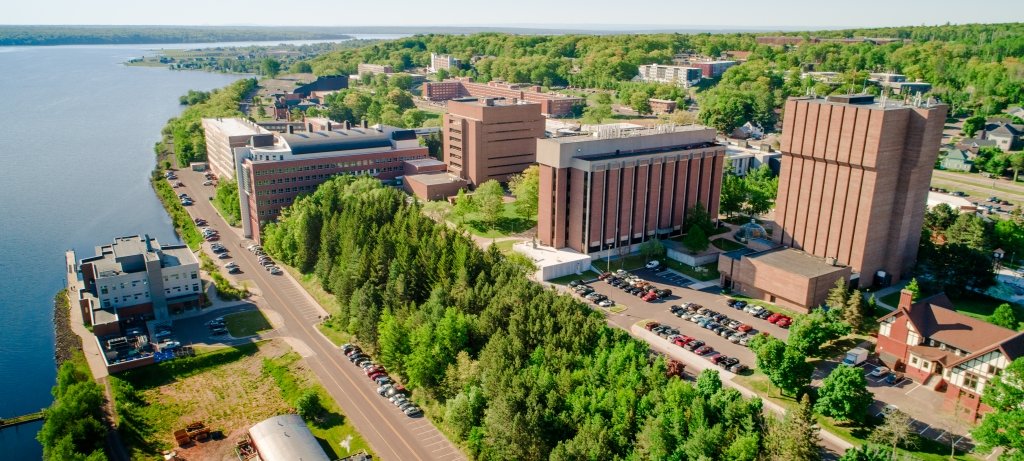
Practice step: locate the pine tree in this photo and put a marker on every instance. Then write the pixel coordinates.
(837, 296)
(796, 437)
(914, 288)
(854, 313)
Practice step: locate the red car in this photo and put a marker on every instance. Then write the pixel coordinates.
(784, 322)
(703, 350)
(376, 375)
(374, 369)
(743, 328)
(650, 325)
(650, 297)
(683, 340)
(604, 276)
(718, 358)
(774, 318)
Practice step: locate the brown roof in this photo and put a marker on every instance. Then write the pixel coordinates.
(934, 354)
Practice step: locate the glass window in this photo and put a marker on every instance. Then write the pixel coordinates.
(970, 381)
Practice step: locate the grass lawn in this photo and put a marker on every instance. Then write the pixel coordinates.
(924, 449)
(510, 222)
(247, 323)
(725, 244)
(333, 333)
(311, 284)
(564, 280)
(505, 246)
(710, 270)
(977, 305)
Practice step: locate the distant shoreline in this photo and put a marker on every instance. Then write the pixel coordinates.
(156, 35)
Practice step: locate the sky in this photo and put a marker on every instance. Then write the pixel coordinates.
(605, 14)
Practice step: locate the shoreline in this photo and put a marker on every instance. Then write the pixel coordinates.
(65, 339)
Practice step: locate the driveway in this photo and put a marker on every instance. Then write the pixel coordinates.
(391, 434)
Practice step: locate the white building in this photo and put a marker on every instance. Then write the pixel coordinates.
(225, 134)
(675, 75)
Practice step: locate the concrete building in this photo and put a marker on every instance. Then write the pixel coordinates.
(364, 68)
(784, 276)
(223, 135)
(854, 181)
(285, 438)
(607, 193)
(443, 61)
(487, 139)
(713, 69)
(946, 351)
(433, 186)
(551, 104)
(135, 280)
(675, 75)
(899, 83)
(271, 176)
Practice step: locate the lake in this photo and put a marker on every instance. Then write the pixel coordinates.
(78, 129)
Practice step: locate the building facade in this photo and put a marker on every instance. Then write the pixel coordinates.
(662, 106)
(675, 75)
(364, 68)
(443, 61)
(135, 280)
(605, 193)
(854, 180)
(488, 139)
(783, 276)
(271, 177)
(713, 69)
(551, 104)
(223, 135)
(946, 351)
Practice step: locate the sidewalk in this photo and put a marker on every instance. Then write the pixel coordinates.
(885, 292)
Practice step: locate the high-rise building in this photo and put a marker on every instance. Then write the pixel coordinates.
(443, 61)
(854, 180)
(223, 135)
(487, 139)
(607, 193)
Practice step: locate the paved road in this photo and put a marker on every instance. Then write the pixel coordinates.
(294, 314)
(979, 188)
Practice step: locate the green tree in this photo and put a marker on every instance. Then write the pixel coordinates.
(603, 98)
(856, 312)
(490, 198)
(301, 67)
(73, 428)
(526, 187)
(734, 192)
(762, 189)
(1004, 426)
(894, 431)
(698, 215)
(708, 383)
(270, 67)
(837, 295)
(1016, 163)
(640, 103)
(413, 118)
(392, 341)
(844, 395)
(1004, 316)
(914, 288)
(866, 453)
(973, 124)
(596, 114)
(652, 249)
(797, 437)
(958, 268)
(308, 406)
(432, 142)
(809, 332)
(696, 240)
(464, 205)
(968, 230)
(794, 373)
(939, 217)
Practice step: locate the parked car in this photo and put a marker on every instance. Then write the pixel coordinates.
(718, 358)
(728, 362)
(276, 271)
(703, 350)
(652, 265)
(693, 345)
(743, 328)
(737, 368)
(651, 325)
(774, 318)
(735, 339)
(879, 372)
(606, 303)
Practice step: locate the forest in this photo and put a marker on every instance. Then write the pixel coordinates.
(35, 35)
(975, 68)
(510, 369)
(184, 134)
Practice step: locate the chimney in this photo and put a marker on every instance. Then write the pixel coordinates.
(906, 299)
(291, 129)
(328, 125)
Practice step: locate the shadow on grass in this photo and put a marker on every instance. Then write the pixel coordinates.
(505, 225)
(168, 372)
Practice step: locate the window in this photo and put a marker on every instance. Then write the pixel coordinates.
(195, 287)
(913, 339)
(992, 370)
(913, 360)
(195, 275)
(886, 327)
(970, 381)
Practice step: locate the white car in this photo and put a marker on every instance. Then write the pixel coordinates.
(879, 372)
(606, 303)
(653, 265)
(207, 183)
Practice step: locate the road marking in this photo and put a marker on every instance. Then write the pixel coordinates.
(912, 389)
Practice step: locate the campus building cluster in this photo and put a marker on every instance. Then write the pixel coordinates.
(551, 104)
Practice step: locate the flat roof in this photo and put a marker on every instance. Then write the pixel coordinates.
(336, 140)
(425, 162)
(544, 256)
(796, 261)
(866, 101)
(433, 178)
(235, 126)
(637, 130)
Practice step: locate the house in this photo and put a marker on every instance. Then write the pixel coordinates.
(958, 160)
(1016, 111)
(946, 351)
(1008, 136)
(974, 144)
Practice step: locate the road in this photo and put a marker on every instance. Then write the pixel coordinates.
(978, 187)
(294, 314)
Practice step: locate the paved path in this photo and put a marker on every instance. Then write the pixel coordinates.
(391, 434)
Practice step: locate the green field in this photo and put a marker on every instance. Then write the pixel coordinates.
(510, 222)
(249, 323)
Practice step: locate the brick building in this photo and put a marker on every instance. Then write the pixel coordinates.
(487, 139)
(223, 135)
(551, 104)
(946, 351)
(271, 176)
(854, 180)
(713, 69)
(364, 68)
(784, 276)
(606, 193)
(662, 106)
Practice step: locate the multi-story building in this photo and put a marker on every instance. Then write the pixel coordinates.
(676, 75)
(551, 104)
(364, 68)
(608, 192)
(443, 61)
(223, 135)
(271, 176)
(488, 139)
(946, 351)
(713, 69)
(854, 181)
(134, 280)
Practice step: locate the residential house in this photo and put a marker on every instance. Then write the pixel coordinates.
(958, 160)
(946, 351)
(974, 144)
(1008, 136)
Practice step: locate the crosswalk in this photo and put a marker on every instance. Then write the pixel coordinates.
(298, 302)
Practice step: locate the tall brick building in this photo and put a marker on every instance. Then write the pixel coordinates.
(606, 193)
(487, 139)
(551, 104)
(854, 180)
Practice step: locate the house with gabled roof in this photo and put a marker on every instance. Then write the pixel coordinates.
(946, 351)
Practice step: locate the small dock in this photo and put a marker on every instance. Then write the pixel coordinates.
(18, 420)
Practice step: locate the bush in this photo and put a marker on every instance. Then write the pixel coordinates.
(183, 223)
(309, 405)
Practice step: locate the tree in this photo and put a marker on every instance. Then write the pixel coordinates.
(640, 103)
(1004, 317)
(1016, 163)
(958, 268)
(973, 124)
(526, 188)
(308, 406)
(811, 331)
(438, 210)
(464, 205)
(762, 188)
(270, 67)
(794, 373)
(855, 311)
(652, 249)
(914, 288)
(734, 192)
(413, 118)
(939, 217)
(594, 115)
(837, 295)
(797, 437)
(302, 67)
(866, 453)
(894, 431)
(968, 230)
(698, 215)
(844, 395)
(489, 197)
(1004, 426)
(708, 383)
(696, 240)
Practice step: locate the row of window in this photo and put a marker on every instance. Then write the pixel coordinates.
(285, 190)
(328, 166)
(276, 201)
(145, 295)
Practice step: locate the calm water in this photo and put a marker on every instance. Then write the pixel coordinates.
(76, 146)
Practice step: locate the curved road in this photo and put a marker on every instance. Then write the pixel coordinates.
(391, 434)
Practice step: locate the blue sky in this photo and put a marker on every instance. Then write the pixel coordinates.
(794, 14)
